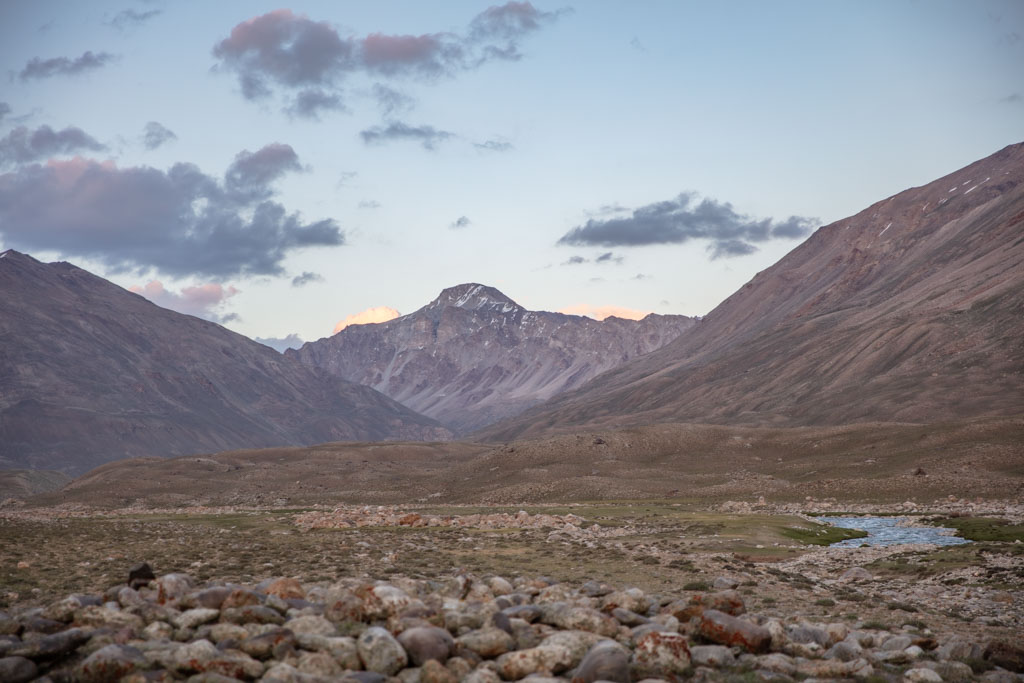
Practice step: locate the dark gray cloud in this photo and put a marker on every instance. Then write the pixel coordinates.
(22, 146)
(293, 56)
(63, 66)
(251, 173)
(155, 134)
(493, 145)
(682, 219)
(281, 344)
(306, 278)
(392, 101)
(608, 257)
(179, 222)
(428, 136)
(129, 18)
(5, 109)
(460, 222)
(574, 261)
(309, 103)
(1012, 98)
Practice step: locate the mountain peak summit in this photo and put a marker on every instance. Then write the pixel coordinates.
(474, 297)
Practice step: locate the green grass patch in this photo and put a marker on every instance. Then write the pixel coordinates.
(823, 535)
(983, 529)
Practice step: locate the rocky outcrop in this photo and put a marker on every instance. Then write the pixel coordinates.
(909, 311)
(474, 356)
(90, 373)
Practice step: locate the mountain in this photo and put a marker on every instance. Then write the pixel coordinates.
(90, 373)
(910, 311)
(473, 356)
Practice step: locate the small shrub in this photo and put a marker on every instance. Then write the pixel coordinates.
(697, 586)
(825, 602)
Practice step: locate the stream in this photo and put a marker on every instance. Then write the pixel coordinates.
(883, 531)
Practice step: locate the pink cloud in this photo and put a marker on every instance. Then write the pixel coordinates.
(377, 314)
(200, 300)
(602, 312)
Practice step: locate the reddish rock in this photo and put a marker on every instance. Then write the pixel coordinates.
(286, 589)
(729, 602)
(724, 629)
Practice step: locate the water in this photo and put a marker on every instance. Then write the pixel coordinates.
(884, 531)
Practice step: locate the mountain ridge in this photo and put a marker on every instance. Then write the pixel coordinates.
(90, 372)
(473, 355)
(905, 311)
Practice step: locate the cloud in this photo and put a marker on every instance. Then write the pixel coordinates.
(602, 312)
(368, 204)
(377, 314)
(306, 278)
(637, 45)
(203, 301)
(251, 173)
(129, 18)
(5, 109)
(22, 146)
(428, 136)
(682, 219)
(155, 135)
(608, 257)
(294, 57)
(574, 261)
(493, 145)
(392, 101)
(62, 66)
(281, 344)
(179, 222)
(1012, 98)
(309, 103)
(460, 222)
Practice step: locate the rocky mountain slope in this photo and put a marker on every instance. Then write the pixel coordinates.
(90, 373)
(473, 356)
(910, 311)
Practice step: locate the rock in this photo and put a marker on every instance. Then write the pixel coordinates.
(129, 597)
(270, 644)
(1008, 655)
(578, 643)
(17, 669)
(311, 624)
(566, 616)
(196, 617)
(715, 656)
(286, 589)
(487, 642)
(729, 602)
(657, 654)
(724, 629)
(51, 646)
(171, 587)
(342, 648)
(500, 586)
(724, 583)
(632, 599)
(778, 663)
(423, 643)
(482, 675)
(140, 575)
(62, 610)
(922, 676)
(380, 652)
(628, 618)
(459, 666)
(241, 597)
(894, 643)
(110, 663)
(550, 659)
(252, 614)
(212, 598)
(528, 613)
(318, 664)
(854, 574)
(201, 656)
(596, 589)
(605, 661)
(434, 671)
(952, 672)
(845, 651)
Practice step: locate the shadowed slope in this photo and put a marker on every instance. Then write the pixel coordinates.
(912, 311)
(90, 373)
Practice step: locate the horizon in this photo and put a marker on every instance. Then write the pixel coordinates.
(582, 158)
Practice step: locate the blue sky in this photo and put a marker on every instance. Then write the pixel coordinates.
(309, 161)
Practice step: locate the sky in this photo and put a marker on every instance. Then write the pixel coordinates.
(287, 169)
